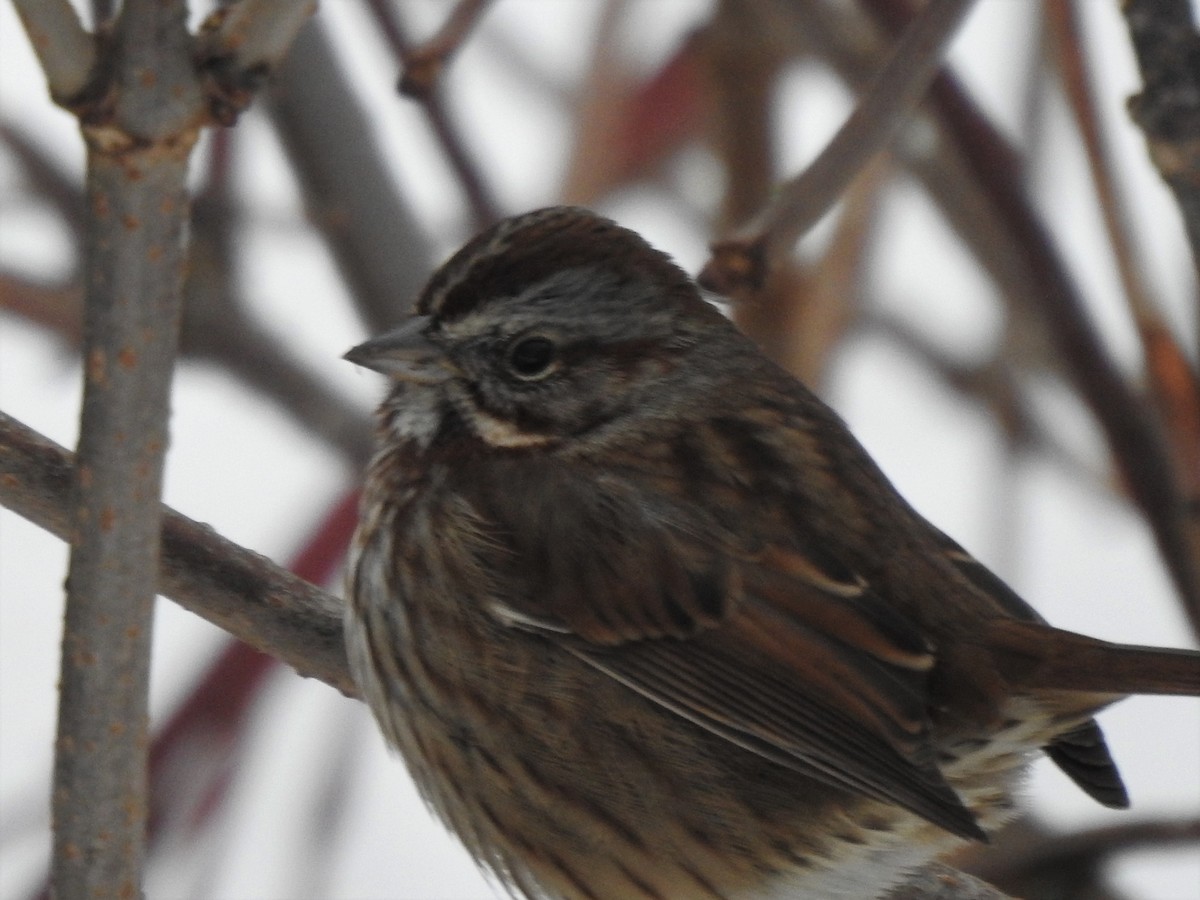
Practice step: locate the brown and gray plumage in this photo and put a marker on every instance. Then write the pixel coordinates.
(644, 619)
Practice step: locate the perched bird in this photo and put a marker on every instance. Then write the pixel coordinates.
(645, 620)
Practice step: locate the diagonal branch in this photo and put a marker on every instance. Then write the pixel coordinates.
(234, 588)
(746, 259)
(351, 196)
(240, 44)
(423, 64)
(484, 206)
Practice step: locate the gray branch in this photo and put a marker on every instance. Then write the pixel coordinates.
(140, 133)
(65, 50)
(234, 588)
(142, 99)
(255, 35)
(351, 196)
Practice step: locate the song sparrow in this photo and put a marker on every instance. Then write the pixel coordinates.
(645, 620)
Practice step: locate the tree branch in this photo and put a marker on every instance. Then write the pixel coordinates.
(240, 43)
(234, 588)
(350, 194)
(746, 259)
(1167, 46)
(65, 50)
(423, 64)
(484, 207)
(140, 133)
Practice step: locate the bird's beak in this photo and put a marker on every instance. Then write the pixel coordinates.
(405, 354)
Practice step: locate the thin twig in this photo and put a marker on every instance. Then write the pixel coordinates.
(743, 58)
(255, 34)
(484, 207)
(1063, 19)
(240, 44)
(423, 64)
(800, 202)
(65, 50)
(234, 588)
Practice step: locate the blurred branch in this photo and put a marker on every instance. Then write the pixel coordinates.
(839, 276)
(348, 189)
(254, 35)
(1134, 437)
(1033, 862)
(65, 50)
(236, 589)
(240, 43)
(743, 58)
(799, 203)
(1175, 384)
(1062, 17)
(1167, 46)
(47, 178)
(218, 326)
(216, 323)
(994, 385)
(57, 308)
(803, 311)
(423, 64)
(251, 353)
(484, 207)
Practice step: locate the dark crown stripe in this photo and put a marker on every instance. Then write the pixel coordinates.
(514, 254)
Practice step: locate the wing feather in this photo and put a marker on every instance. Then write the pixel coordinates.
(769, 649)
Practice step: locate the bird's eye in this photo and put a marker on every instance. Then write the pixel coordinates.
(531, 357)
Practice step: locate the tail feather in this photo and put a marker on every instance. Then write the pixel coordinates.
(1083, 755)
(1034, 656)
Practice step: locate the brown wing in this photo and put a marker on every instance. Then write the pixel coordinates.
(757, 645)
